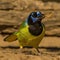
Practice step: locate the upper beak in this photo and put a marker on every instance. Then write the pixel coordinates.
(44, 16)
(41, 17)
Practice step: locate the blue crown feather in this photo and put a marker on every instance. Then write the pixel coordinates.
(34, 19)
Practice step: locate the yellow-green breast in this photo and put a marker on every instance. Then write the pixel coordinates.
(26, 38)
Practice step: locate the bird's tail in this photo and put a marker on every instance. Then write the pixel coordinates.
(11, 38)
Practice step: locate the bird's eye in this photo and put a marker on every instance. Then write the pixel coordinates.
(34, 14)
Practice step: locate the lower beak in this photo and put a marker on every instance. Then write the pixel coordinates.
(43, 16)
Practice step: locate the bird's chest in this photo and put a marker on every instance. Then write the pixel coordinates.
(25, 34)
(25, 37)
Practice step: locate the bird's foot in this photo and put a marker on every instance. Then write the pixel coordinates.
(36, 52)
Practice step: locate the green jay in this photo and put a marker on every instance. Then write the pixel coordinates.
(30, 32)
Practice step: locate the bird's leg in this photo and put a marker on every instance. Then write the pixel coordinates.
(37, 50)
(21, 46)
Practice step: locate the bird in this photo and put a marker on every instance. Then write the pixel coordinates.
(31, 31)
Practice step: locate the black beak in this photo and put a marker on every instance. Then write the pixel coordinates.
(41, 17)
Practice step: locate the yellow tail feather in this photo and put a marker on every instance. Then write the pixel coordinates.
(11, 38)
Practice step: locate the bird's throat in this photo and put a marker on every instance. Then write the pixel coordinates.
(35, 29)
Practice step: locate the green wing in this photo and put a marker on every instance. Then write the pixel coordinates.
(24, 24)
(13, 36)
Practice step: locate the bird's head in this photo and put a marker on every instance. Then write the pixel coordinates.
(36, 16)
